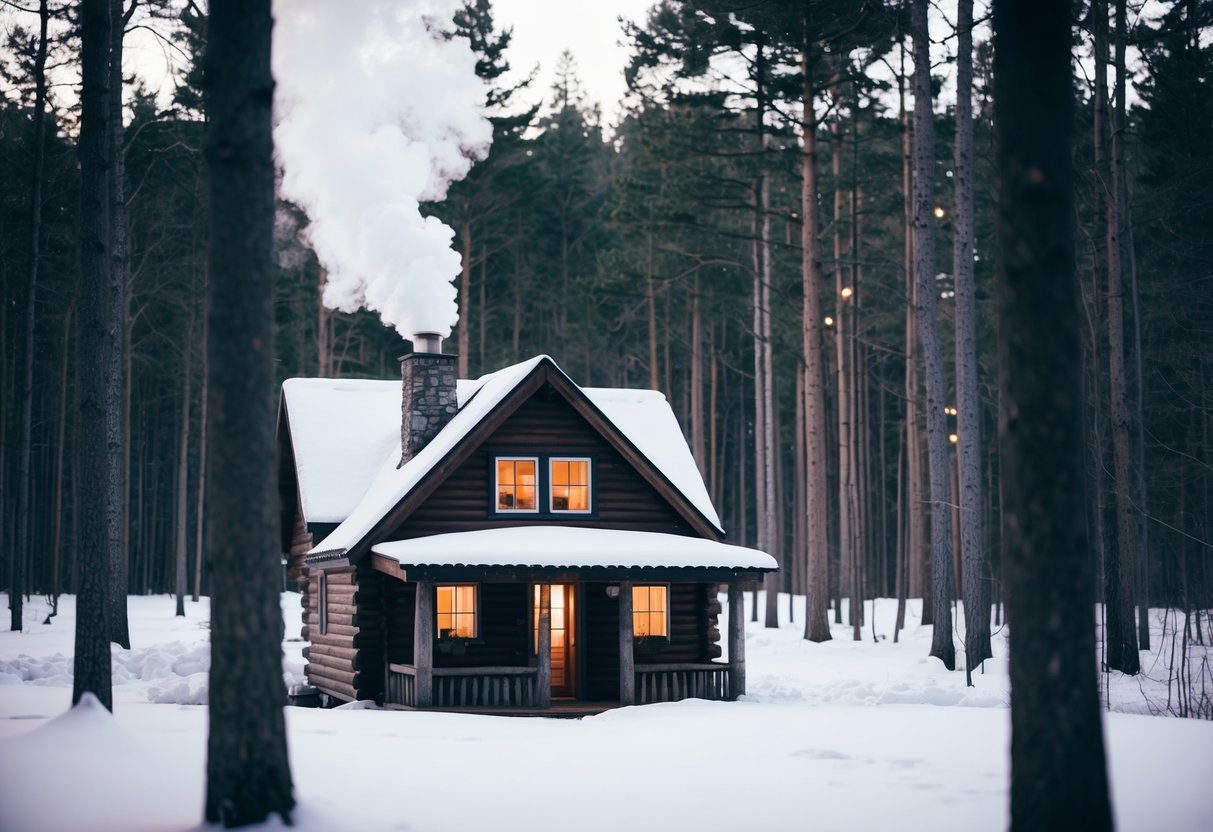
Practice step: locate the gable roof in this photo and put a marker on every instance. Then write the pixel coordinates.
(337, 426)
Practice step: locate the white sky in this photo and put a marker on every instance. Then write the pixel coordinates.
(588, 28)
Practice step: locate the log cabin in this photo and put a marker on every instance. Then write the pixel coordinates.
(512, 543)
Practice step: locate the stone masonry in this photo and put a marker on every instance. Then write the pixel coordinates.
(429, 400)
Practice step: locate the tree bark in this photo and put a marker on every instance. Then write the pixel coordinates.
(200, 493)
(465, 297)
(183, 467)
(248, 772)
(817, 624)
(968, 402)
(117, 311)
(1058, 777)
(21, 553)
(92, 643)
(927, 315)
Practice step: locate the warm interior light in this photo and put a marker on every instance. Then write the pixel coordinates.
(846, 292)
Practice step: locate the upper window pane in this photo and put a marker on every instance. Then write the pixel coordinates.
(570, 485)
(517, 484)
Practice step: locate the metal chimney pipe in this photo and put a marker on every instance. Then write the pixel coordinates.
(427, 342)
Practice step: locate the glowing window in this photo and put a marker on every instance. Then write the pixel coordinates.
(570, 484)
(517, 484)
(650, 611)
(457, 611)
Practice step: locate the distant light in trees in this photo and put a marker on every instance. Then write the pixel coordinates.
(951, 411)
(953, 438)
(829, 321)
(846, 292)
(939, 212)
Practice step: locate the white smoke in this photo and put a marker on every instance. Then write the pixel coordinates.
(375, 113)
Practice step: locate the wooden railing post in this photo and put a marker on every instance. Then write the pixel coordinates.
(423, 644)
(543, 653)
(627, 669)
(736, 640)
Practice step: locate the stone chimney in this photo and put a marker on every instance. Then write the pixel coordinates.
(429, 401)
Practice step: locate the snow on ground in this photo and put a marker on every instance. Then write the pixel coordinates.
(838, 735)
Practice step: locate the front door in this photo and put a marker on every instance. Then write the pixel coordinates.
(563, 638)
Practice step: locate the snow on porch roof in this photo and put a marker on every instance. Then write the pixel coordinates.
(571, 547)
(334, 432)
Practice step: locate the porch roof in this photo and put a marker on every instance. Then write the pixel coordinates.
(569, 547)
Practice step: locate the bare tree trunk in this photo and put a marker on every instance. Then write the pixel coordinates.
(842, 369)
(968, 402)
(927, 315)
(183, 467)
(21, 554)
(817, 624)
(917, 563)
(1058, 768)
(92, 643)
(200, 495)
(60, 447)
(465, 297)
(248, 774)
(697, 443)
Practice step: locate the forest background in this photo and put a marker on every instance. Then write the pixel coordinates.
(669, 251)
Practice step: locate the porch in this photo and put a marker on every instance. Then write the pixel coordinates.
(610, 667)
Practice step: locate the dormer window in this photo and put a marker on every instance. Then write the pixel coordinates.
(570, 484)
(517, 484)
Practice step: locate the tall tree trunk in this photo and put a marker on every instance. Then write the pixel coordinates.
(117, 305)
(21, 554)
(926, 312)
(92, 643)
(183, 468)
(200, 493)
(1125, 633)
(697, 428)
(248, 774)
(916, 555)
(817, 624)
(968, 402)
(465, 297)
(60, 448)
(1058, 773)
(842, 369)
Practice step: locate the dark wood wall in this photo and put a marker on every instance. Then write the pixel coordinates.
(545, 424)
(347, 661)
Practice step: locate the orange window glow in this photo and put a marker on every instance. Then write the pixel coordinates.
(650, 611)
(570, 485)
(516, 485)
(457, 611)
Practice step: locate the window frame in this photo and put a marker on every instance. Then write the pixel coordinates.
(589, 485)
(666, 611)
(543, 482)
(475, 613)
(495, 499)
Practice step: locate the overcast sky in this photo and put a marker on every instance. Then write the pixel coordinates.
(588, 28)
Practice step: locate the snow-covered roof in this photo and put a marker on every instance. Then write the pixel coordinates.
(346, 439)
(571, 547)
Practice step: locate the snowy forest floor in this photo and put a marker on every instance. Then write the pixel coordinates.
(841, 735)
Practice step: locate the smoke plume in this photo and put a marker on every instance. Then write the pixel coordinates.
(376, 113)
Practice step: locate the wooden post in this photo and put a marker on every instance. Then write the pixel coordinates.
(736, 640)
(423, 643)
(543, 653)
(627, 669)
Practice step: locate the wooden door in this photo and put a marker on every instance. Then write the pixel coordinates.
(564, 641)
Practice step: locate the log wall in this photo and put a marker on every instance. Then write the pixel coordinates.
(347, 660)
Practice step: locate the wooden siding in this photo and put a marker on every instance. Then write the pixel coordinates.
(347, 661)
(599, 644)
(544, 425)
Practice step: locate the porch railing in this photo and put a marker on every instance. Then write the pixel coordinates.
(466, 687)
(672, 682)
